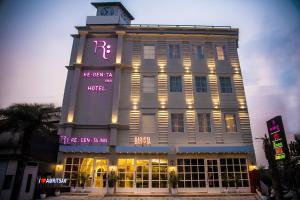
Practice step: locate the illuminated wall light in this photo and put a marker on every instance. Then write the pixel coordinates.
(70, 117)
(216, 105)
(114, 119)
(252, 167)
(59, 168)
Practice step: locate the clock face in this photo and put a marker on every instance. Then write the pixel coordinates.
(107, 11)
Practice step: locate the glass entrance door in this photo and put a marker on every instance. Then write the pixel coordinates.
(142, 174)
(100, 175)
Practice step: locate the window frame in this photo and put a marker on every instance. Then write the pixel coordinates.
(201, 87)
(154, 125)
(176, 51)
(225, 90)
(208, 127)
(196, 52)
(235, 122)
(223, 52)
(174, 89)
(146, 54)
(178, 129)
(154, 85)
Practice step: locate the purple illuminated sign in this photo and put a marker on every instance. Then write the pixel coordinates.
(277, 138)
(102, 45)
(83, 140)
(104, 78)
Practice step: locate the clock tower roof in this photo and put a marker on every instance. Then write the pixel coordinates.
(109, 4)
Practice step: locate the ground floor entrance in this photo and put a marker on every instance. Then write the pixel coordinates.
(149, 174)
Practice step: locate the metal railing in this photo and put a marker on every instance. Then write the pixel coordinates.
(176, 26)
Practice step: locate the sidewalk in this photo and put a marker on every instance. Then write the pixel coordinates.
(204, 197)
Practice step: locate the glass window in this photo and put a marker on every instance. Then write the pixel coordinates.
(159, 173)
(191, 173)
(148, 123)
(232, 173)
(212, 173)
(201, 84)
(225, 83)
(220, 52)
(175, 84)
(204, 122)
(149, 52)
(199, 52)
(177, 122)
(142, 174)
(148, 84)
(77, 169)
(101, 173)
(125, 172)
(174, 51)
(230, 123)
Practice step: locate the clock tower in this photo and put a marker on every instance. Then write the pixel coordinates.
(110, 13)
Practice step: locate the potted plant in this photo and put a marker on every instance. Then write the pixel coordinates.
(83, 177)
(173, 181)
(43, 191)
(112, 180)
(57, 191)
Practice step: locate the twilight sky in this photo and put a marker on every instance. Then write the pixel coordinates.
(35, 45)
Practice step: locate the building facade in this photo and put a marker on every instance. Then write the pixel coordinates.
(144, 100)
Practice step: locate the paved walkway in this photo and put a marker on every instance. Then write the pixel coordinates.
(205, 197)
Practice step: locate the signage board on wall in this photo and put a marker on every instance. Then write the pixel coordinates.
(277, 138)
(142, 140)
(103, 80)
(82, 140)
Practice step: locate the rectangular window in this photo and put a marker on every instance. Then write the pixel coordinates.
(220, 52)
(159, 173)
(175, 84)
(225, 83)
(177, 122)
(201, 84)
(174, 51)
(230, 122)
(148, 123)
(148, 84)
(125, 173)
(234, 172)
(199, 52)
(204, 122)
(191, 173)
(149, 52)
(76, 167)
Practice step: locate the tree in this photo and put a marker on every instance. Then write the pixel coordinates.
(28, 119)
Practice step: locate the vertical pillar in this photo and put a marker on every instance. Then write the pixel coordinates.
(116, 92)
(76, 79)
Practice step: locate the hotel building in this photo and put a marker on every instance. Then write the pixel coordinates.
(144, 100)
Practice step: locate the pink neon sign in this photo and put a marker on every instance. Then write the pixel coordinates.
(106, 48)
(83, 140)
(104, 79)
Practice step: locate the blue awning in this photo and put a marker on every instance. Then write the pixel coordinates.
(83, 149)
(142, 149)
(216, 149)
